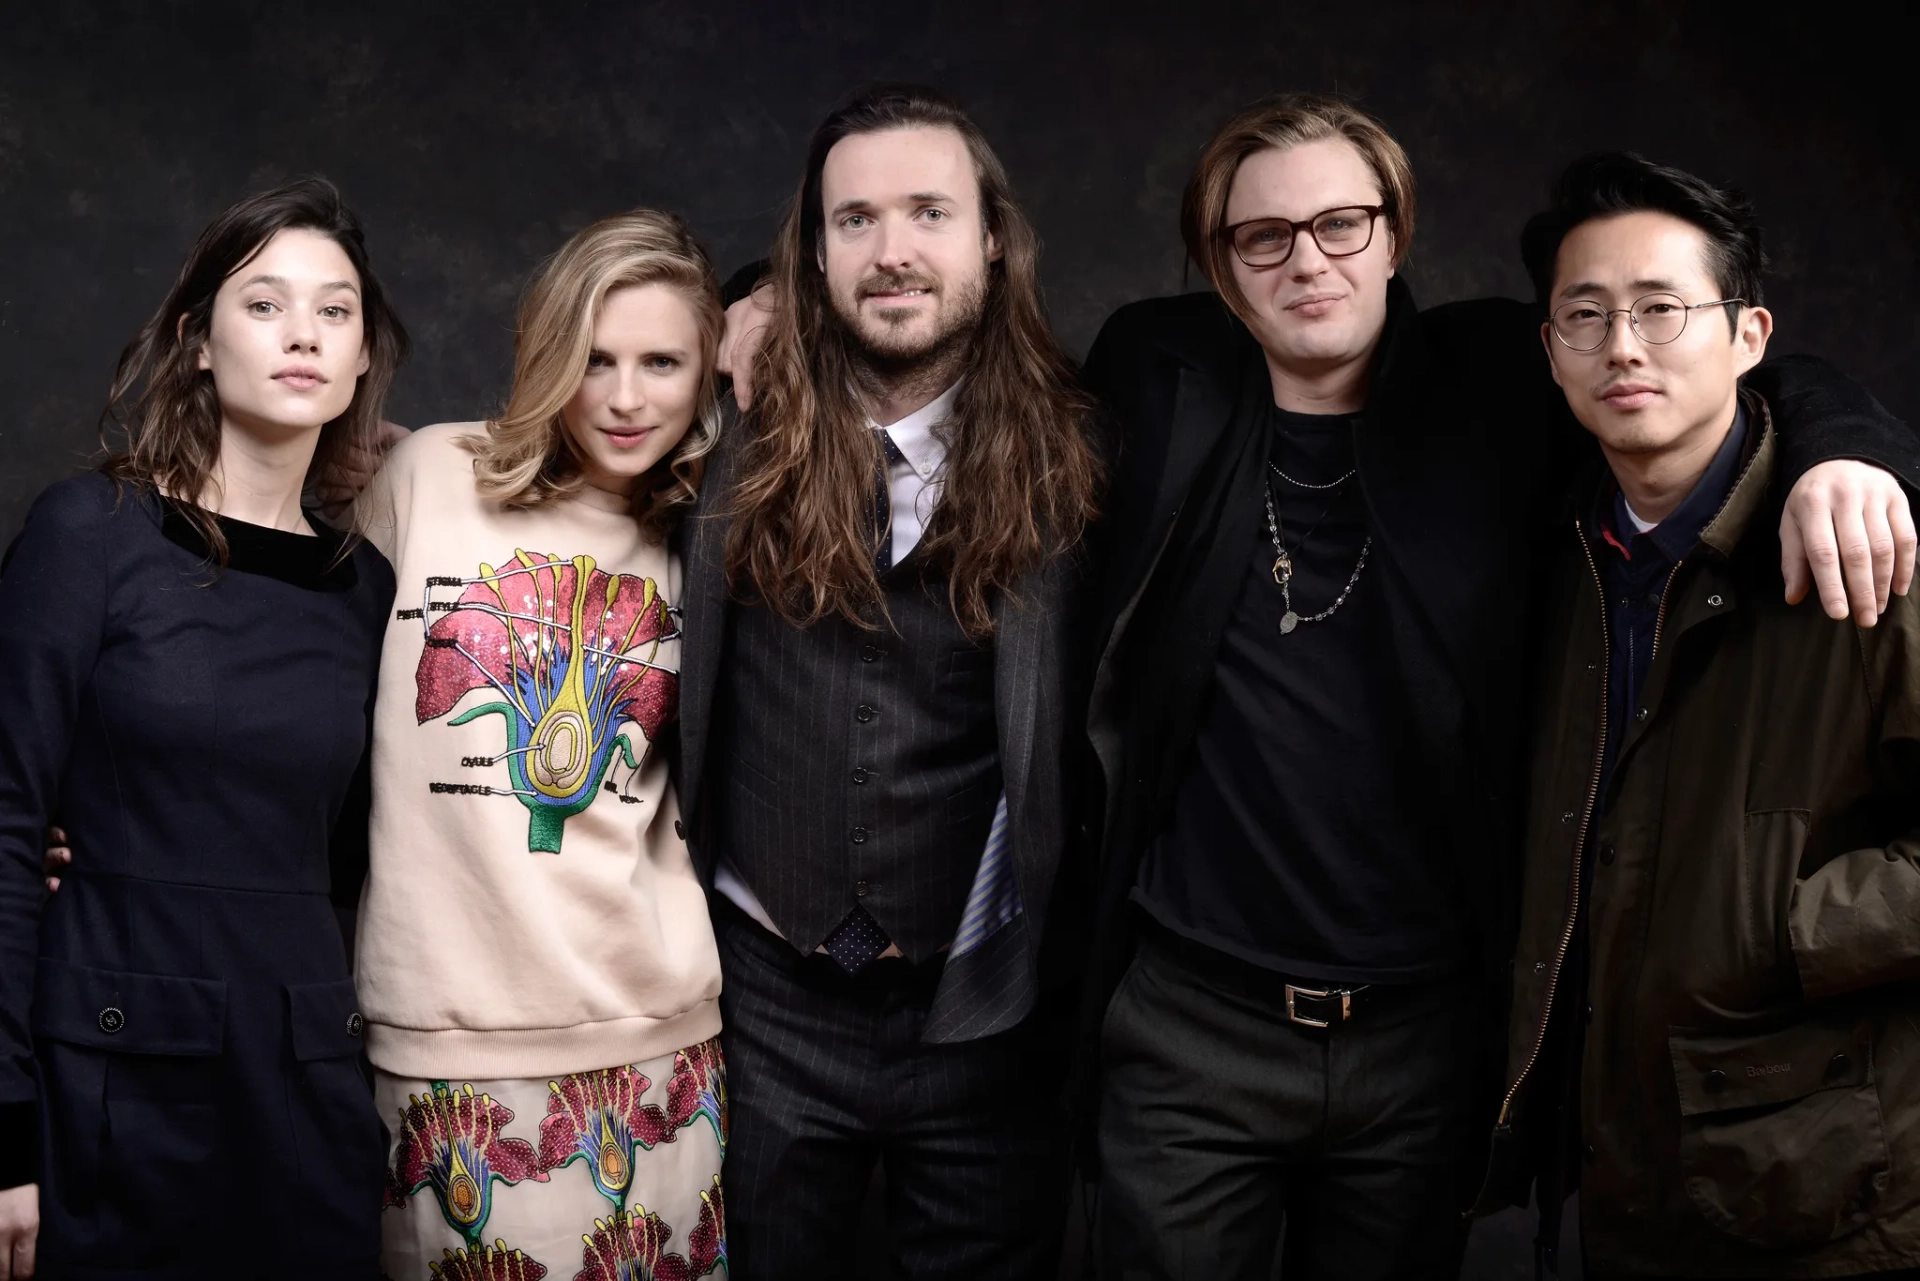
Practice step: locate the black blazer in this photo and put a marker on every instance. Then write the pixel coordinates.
(1464, 453)
(994, 986)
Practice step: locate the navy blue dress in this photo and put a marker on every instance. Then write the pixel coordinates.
(178, 1036)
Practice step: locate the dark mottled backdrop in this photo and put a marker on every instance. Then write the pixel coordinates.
(475, 137)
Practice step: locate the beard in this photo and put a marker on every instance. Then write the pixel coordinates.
(888, 344)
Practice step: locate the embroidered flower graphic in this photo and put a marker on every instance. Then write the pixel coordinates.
(707, 1243)
(633, 1247)
(698, 1088)
(598, 1116)
(488, 1263)
(571, 653)
(451, 1141)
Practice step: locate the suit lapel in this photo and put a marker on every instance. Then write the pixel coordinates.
(703, 621)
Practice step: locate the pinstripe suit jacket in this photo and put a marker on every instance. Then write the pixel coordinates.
(994, 985)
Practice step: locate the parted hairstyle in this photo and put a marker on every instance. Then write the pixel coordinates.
(1021, 474)
(1278, 123)
(1607, 183)
(525, 457)
(165, 407)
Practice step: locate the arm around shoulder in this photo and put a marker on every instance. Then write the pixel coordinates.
(1822, 415)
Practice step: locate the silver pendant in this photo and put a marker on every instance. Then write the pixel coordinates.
(1288, 621)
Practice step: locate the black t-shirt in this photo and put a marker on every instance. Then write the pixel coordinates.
(1300, 839)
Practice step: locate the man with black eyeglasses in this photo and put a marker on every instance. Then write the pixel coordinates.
(1713, 1031)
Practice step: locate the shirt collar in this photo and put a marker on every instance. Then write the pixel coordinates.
(1677, 535)
(914, 436)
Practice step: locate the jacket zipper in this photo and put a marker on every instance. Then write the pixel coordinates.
(1660, 618)
(1580, 843)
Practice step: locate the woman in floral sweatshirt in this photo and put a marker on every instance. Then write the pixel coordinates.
(535, 961)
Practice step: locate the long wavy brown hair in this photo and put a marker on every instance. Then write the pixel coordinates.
(164, 407)
(1021, 475)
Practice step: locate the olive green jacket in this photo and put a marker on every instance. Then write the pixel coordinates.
(1750, 1079)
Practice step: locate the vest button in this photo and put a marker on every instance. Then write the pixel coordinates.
(868, 653)
(1642, 714)
(860, 775)
(112, 1020)
(355, 1024)
(1716, 1081)
(1606, 856)
(860, 889)
(859, 835)
(863, 713)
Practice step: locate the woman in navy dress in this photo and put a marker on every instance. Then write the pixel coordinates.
(187, 663)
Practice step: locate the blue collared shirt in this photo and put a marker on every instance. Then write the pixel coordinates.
(1635, 569)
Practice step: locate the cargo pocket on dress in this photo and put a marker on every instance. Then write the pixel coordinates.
(341, 1139)
(143, 1050)
(1781, 1137)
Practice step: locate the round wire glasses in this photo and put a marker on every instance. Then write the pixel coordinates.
(1583, 325)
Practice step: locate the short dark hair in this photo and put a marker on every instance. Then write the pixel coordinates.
(1618, 182)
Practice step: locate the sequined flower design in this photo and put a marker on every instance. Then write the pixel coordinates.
(452, 1141)
(698, 1088)
(597, 1116)
(486, 1263)
(707, 1243)
(571, 653)
(632, 1246)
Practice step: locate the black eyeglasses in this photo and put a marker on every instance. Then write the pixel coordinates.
(1583, 325)
(1268, 242)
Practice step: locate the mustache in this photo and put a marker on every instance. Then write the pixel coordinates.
(891, 282)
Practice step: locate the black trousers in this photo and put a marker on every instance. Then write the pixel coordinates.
(1221, 1123)
(827, 1075)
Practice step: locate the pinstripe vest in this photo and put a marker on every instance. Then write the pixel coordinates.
(857, 767)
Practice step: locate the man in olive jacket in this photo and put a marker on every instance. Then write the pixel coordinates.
(1716, 1025)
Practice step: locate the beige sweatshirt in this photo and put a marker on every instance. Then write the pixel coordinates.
(530, 907)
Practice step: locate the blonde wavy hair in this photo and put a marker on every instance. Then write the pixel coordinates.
(525, 458)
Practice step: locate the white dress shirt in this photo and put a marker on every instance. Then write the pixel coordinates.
(914, 487)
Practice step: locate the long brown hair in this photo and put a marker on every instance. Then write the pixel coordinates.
(1021, 474)
(165, 406)
(526, 458)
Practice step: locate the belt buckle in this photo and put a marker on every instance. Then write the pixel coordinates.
(1346, 1004)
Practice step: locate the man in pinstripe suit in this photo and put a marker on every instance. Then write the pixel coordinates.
(872, 712)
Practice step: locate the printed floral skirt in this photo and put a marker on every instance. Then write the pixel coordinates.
(596, 1176)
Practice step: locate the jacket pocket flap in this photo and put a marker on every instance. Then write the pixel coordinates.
(1720, 1073)
(128, 1013)
(325, 1018)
